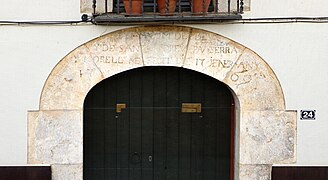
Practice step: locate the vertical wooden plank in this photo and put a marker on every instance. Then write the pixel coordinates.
(159, 124)
(93, 134)
(209, 119)
(25, 173)
(123, 124)
(147, 123)
(94, 143)
(37, 173)
(300, 173)
(184, 126)
(197, 137)
(232, 138)
(172, 136)
(110, 128)
(135, 124)
(223, 132)
(13, 173)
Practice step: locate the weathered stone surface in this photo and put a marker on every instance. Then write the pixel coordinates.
(86, 6)
(116, 52)
(255, 84)
(55, 137)
(164, 45)
(254, 172)
(267, 137)
(211, 54)
(70, 81)
(67, 172)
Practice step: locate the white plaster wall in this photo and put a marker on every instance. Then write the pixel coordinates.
(296, 52)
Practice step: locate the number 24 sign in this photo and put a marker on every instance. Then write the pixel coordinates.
(308, 114)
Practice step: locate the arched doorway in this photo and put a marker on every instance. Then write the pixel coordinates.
(265, 130)
(158, 123)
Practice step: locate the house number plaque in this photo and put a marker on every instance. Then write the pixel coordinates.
(308, 114)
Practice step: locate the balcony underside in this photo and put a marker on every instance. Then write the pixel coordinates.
(110, 18)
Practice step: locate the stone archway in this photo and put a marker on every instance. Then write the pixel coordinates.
(265, 131)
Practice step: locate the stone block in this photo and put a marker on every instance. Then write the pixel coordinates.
(255, 172)
(67, 172)
(211, 54)
(164, 45)
(267, 137)
(55, 137)
(116, 52)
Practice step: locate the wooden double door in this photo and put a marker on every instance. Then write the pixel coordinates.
(158, 123)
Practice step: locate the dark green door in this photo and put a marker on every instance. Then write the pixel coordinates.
(137, 128)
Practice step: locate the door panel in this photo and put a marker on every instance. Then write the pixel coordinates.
(147, 125)
(151, 139)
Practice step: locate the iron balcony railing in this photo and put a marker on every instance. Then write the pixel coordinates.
(135, 11)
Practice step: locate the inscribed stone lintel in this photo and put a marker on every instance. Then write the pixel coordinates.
(223, 59)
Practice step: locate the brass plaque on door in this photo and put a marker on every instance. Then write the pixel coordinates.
(119, 107)
(191, 107)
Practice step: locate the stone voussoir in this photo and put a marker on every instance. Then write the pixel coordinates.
(70, 81)
(255, 84)
(164, 45)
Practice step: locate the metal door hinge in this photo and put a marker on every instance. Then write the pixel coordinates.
(119, 107)
(191, 107)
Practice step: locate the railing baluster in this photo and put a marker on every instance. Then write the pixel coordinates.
(166, 7)
(229, 3)
(241, 6)
(216, 6)
(154, 6)
(238, 6)
(179, 7)
(94, 3)
(118, 6)
(192, 7)
(106, 10)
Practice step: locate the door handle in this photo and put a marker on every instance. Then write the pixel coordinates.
(150, 158)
